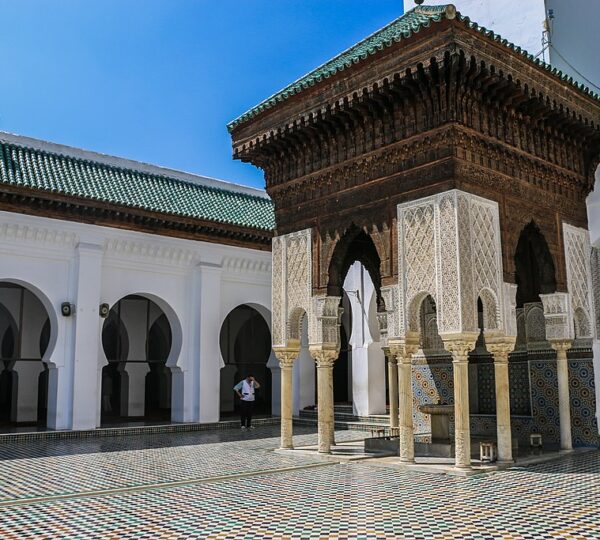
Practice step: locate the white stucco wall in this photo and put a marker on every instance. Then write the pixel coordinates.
(196, 284)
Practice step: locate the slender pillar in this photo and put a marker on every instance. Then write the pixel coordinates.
(393, 387)
(462, 431)
(500, 352)
(403, 355)
(286, 363)
(325, 360)
(564, 401)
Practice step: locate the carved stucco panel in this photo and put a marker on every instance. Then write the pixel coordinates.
(449, 246)
(578, 259)
(417, 257)
(595, 268)
(278, 291)
(292, 286)
(449, 288)
(298, 279)
(394, 310)
(487, 263)
(419, 250)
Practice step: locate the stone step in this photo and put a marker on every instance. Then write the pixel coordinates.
(343, 417)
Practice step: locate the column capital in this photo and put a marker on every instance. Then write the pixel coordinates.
(561, 345)
(500, 347)
(391, 357)
(460, 345)
(286, 356)
(403, 349)
(324, 357)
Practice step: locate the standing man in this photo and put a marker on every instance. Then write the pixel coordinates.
(245, 391)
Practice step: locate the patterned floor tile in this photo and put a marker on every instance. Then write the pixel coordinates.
(555, 500)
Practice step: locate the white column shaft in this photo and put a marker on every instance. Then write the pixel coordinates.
(325, 407)
(462, 430)
(564, 401)
(286, 406)
(503, 427)
(393, 391)
(407, 439)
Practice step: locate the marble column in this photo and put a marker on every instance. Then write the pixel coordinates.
(460, 349)
(326, 428)
(403, 355)
(286, 363)
(393, 387)
(500, 352)
(564, 401)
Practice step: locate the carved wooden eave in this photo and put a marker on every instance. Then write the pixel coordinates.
(446, 74)
(66, 207)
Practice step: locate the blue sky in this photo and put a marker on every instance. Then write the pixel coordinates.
(158, 80)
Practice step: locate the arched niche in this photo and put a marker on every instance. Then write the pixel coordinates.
(355, 275)
(141, 340)
(355, 245)
(245, 344)
(27, 338)
(535, 272)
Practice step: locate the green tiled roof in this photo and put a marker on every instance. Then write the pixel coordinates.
(51, 172)
(402, 28)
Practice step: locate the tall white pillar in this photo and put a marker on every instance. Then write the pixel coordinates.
(209, 282)
(136, 381)
(25, 406)
(368, 360)
(87, 343)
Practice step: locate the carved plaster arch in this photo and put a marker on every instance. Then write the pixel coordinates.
(414, 310)
(583, 327)
(492, 319)
(294, 324)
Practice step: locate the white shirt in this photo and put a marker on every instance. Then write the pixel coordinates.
(247, 390)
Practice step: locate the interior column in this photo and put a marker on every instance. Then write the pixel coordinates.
(393, 387)
(462, 431)
(286, 363)
(405, 400)
(325, 360)
(564, 401)
(500, 351)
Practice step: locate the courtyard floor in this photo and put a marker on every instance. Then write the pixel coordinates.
(230, 484)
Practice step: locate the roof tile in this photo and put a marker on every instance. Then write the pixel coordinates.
(402, 28)
(56, 173)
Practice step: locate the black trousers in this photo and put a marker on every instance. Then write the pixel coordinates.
(246, 408)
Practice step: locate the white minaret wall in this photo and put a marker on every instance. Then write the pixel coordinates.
(519, 21)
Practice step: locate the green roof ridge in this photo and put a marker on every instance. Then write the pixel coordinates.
(53, 172)
(401, 28)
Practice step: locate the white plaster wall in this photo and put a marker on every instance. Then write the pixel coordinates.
(196, 284)
(519, 21)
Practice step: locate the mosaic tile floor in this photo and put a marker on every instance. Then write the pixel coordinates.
(359, 500)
